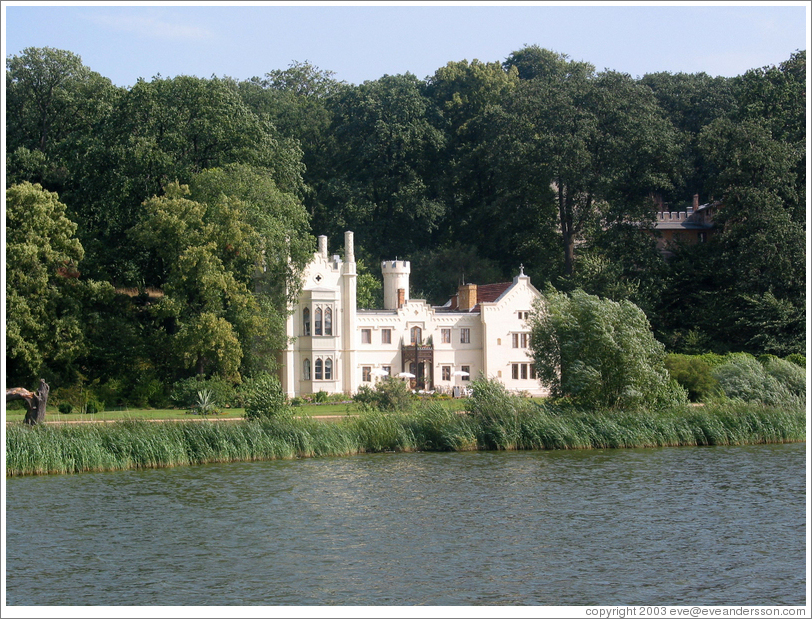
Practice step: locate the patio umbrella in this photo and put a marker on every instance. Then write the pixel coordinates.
(406, 375)
(459, 373)
(379, 372)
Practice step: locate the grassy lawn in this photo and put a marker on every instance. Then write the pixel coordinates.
(167, 413)
(309, 410)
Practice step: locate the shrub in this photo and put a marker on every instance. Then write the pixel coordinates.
(206, 403)
(694, 374)
(94, 406)
(389, 395)
(66, 408)
(797, 359)
(264, 398)
(742, 377)
(185, 392)
(790, 375)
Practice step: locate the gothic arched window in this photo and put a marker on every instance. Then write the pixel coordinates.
(317, 317)
(417, 335)
(328, 369)
(328, 321)
(306, 320)
(319, 372)
(306, 369)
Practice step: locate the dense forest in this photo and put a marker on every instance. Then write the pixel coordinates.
(156, 233)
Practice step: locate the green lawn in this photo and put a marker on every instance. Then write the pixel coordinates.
(167, 413)
(310, 410)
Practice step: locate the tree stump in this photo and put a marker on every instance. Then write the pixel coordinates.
(34, 402)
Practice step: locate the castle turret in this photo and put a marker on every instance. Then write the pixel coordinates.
(395, 283)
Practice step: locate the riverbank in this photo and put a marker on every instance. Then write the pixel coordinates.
(74, 448)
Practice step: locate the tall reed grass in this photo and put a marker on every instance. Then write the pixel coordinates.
(493, 423)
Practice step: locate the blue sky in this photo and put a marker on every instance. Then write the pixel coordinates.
(364, 42)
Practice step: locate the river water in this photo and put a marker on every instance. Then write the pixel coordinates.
(680, 526)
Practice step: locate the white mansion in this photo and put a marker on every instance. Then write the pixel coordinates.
(337, 348)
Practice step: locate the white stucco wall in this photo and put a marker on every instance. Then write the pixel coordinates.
(330, 282)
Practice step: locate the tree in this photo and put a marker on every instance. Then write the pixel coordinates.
(691, 101)
(51, 99)
(35, 403)
(43, 287)
(163, 131)
(468, 96)
(599, 352)
(228, 255)
(205, 304)
(381, 150)
(295, 100)
(596, 147)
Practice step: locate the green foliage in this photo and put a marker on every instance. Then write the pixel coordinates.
(797, 359)
(93, 407)
(205, 404)
(480, 167)
(379, 154)
(388, 395)
(264, 398)
(74, 448)
(599, 353)
(43, 310)
(777, 383)
(66, 408)
(185, 391)
(694, 374)
(788, 374)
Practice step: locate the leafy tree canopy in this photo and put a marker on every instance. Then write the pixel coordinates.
(599, 352)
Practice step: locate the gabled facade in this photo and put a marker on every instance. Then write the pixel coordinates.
(338, 348)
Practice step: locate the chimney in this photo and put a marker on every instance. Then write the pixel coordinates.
(323, 246)
(401, 297)
(467, 297)
(696, 201)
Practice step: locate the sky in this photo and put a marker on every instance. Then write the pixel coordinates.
(364, 41)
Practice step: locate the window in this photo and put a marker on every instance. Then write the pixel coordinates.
(366, 374)
(306, 320)
(703, 236)
(306, 369)
(328, 369)
(445, 336)
(317, 317)
(319, 369)
(520, 340)
(366, 336)
(467, 370)
(465, 336)
(417, 335)
(446, 372)
(523, 371)
(387, 369)
(328, 321)
(386, 336)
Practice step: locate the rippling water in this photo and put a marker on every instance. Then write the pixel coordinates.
(720, 525)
